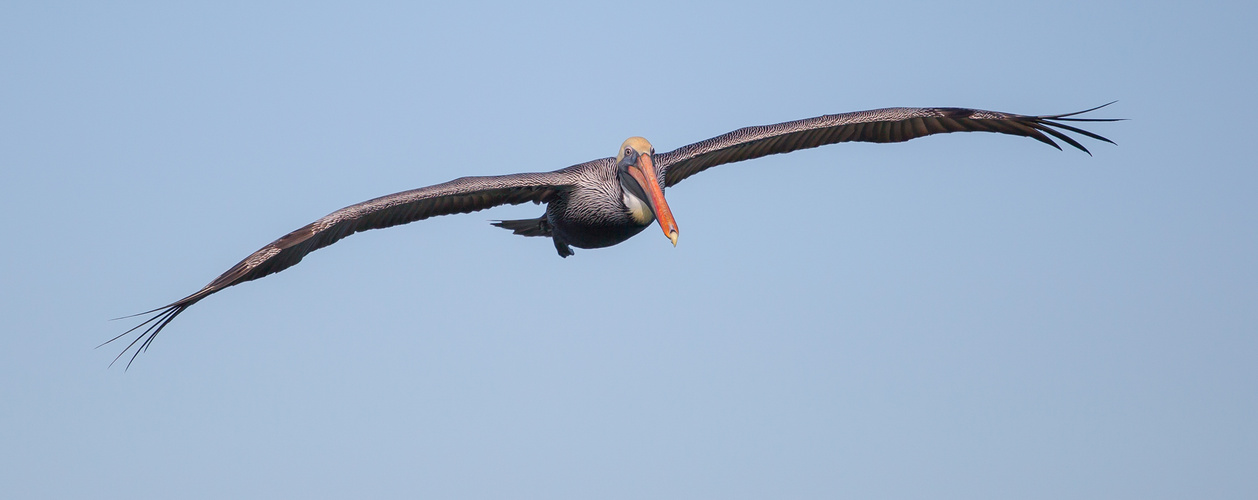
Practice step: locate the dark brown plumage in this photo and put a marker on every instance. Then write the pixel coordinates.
(606, 201)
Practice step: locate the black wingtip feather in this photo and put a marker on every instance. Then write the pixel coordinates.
(152, 326)
(1051, 123)
(1089, 110)
(1045, 126)
(1080, 131)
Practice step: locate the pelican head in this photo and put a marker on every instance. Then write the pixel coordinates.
(641, 184)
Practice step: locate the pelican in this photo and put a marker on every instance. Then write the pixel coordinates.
(603, 202)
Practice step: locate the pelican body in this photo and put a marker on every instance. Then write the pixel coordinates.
(603, 202)
(608, 201)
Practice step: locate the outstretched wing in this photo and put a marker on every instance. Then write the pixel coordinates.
(878, 125)
(467, 194)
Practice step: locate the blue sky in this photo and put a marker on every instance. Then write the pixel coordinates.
(960, 316)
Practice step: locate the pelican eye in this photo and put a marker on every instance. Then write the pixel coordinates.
(628, 151)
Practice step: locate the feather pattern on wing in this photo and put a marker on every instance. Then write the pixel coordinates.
(466, 194)
(878, 125)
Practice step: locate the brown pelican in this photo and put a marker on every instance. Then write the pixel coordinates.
(603, 202)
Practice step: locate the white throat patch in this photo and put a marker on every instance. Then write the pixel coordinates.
(638, 209)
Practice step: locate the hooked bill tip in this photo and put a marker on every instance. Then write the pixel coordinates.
(672, 236)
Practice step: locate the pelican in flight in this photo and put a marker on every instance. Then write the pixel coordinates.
(603, 202)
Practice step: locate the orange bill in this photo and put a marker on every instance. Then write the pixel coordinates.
(651, 184)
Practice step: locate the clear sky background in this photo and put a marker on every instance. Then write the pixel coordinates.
(961, 316)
